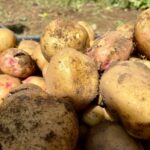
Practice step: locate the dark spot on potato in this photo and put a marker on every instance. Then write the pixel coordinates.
(143, 99)
(4, 129)
(19, 54)
(68, 106)
(49, 136)
(122, 77)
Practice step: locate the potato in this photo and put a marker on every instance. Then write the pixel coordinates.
(33, 48)
(125, 88)
(7, 83)
(110, 136)
(60, 34)
(7, 39)
(72, 74)
(142, 33)
(17, 63)
(32, 120)
(37, 80)
(111, 47)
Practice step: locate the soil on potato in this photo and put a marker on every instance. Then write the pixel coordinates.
(29, 17)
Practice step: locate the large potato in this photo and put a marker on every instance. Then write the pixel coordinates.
(72, 74)
(142, 33)
(110, 136)
(125, 88)
(62, 33)
(111, 47)
(7, 39)
(32, 120)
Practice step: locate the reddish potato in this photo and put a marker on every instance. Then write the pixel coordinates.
(17, 63)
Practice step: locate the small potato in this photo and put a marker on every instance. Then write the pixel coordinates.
(7, 39)
(39, 81)
(32, 120)
(60, 34)
(33, 48)
(72, 74)
(142, 33)
(17, 63)
(112, 47)
(110, 136)
(7, 83)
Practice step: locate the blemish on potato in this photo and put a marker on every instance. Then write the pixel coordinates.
(49, 136)
(122, 77)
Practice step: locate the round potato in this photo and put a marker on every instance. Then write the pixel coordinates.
(32, 120)
(110, 136)
(72, 74)
(125, 88)
(7, 39)
(142, 33)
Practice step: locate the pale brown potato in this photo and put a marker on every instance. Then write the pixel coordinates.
(125, 88)
(71, 73)
(7, 39)
(17, 63)
(32, 120)
(7, 83)
(61, 33)
(33, 48)
(142, 33)
(111, 47)
(110, 136)
(37, 80)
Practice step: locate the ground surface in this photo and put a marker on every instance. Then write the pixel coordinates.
(33, 16)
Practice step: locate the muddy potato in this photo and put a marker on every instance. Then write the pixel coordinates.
(72, 74)
(111, 47)
(63, 33)
(110, 136)
(17, 63)
(7, 83)
(37, 80)
(32, 120)
(33, 48)
(7, 39)
(142, 33)
(125, 88)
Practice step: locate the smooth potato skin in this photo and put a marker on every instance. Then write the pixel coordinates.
(142, 33)
(110, 136)
(31, 120)
(60, 34)
(125, 88)
(72, 74)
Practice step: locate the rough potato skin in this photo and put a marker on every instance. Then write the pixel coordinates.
(142, 33)
(17, 63)
(125, 89)
(31, 120)
(111, 47)
(110, 136)
(72, 74)
(60, 34)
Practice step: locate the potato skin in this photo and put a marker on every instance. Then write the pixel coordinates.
(60, 34)
(111, 47)
(31, 120)
(110, 136)
(72, 74)
(125, 88)
(142, 33)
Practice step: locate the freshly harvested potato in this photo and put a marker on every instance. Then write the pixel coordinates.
(7, 39)
(111, 47)
(62, 33)
(127, 29)
(71, 73)
(125, 88)
(142, 33)
(37, 80)
(17, 63)
(33, 48)
(7, 83)
(32, 120)
(110, 136)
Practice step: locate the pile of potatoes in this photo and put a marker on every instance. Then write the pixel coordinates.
(72, 91)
